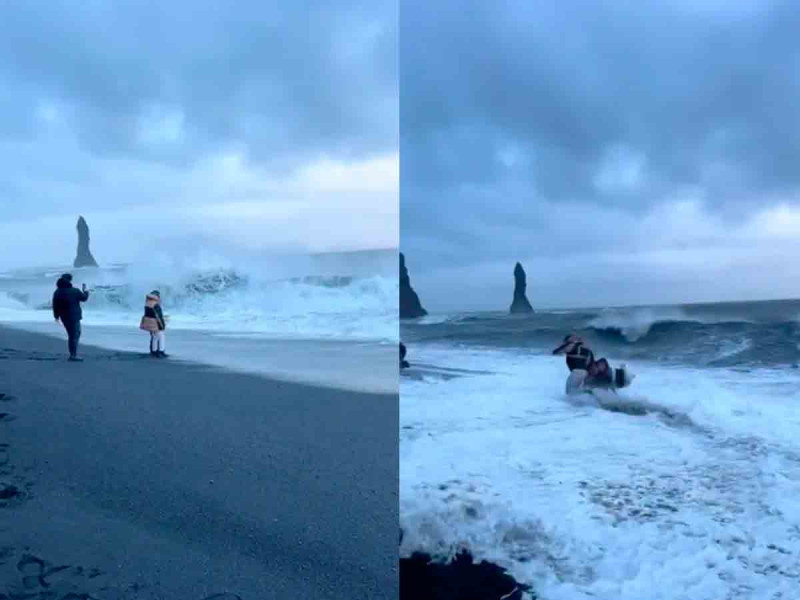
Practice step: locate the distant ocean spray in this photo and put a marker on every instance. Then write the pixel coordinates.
(346, 296)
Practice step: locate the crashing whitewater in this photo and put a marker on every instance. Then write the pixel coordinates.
(222, 299)
(683, 486)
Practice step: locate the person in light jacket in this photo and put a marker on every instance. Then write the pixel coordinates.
(154, 322)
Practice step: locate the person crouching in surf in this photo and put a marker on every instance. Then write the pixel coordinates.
(579, 356)
(602, 375)
(153, 322)
(586, 372)
(599, 373)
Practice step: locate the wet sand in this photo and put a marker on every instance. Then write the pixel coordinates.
(367, 366)
(129, 477)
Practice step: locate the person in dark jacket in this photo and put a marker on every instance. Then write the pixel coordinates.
(600, 373)
(67, 309)
(403, 362)
(152, 310)
(579, 356)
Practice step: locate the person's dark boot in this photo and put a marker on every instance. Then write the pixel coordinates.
(162, 354)
(153, 353)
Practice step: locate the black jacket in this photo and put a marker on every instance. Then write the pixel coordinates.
(579, 358)
(67, 302)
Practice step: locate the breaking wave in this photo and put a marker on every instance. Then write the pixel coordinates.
(222, 298)
(722, 335)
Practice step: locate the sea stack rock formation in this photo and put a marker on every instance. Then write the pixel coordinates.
(520, 303)
(410, 307)
(84, 257)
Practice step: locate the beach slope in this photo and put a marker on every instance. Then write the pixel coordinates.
(131, 477)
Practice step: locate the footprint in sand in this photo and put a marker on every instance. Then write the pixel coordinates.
(38, 578)
(42, 357)
(29, 356)
(33, 571)
(8, 492)
(12, 493)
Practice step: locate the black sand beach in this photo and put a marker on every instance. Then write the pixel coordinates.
(129, 477)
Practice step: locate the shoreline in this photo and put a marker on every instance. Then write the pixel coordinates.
(150, 479)
(323, 363)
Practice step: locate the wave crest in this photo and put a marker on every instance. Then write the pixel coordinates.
(226, 299)
(637, 323)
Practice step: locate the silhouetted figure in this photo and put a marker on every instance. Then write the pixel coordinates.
(403, 362)
(67, 309)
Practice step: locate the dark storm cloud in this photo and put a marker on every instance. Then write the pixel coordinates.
(284, 82)
(511, 111)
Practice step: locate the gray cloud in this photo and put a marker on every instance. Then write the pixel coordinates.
(279, 80)
(115, 106)
(541, 130)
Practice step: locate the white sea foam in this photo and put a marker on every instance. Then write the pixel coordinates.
(276, 300)
(683, 487)
(433, 319)
(635, 323)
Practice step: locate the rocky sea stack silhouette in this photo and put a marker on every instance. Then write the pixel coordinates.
(520, 303)
(84, 257)
(410, 306)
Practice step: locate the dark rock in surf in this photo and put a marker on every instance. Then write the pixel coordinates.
(520, 303)
(410, 306)
(8, 492)
(459, 579)
(84, 257)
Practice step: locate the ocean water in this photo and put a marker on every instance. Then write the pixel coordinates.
(329, 319)
(685, 485)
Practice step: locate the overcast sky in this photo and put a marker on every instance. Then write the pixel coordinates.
(642, 152)
(253, 124)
